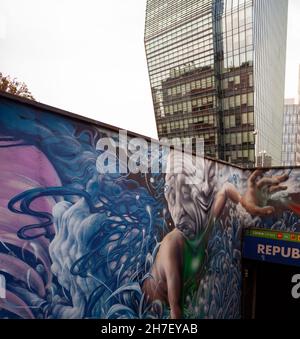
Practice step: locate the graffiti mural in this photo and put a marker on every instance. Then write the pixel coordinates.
(77, 243)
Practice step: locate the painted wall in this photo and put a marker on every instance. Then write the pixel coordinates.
(75, 243)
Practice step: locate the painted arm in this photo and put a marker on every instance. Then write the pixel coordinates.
(259, 192)
(174, 293)
(172, 252)
(228, 191)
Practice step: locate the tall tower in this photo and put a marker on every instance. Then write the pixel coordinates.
(217, 70)
(291, 131)
(291, 135)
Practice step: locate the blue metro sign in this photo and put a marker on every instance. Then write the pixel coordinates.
(272, 246)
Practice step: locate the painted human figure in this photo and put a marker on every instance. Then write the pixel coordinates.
(194, 209)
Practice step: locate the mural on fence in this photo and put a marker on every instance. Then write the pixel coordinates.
(75, 243)
(280, 190)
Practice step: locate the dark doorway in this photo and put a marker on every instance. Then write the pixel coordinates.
(267, 291)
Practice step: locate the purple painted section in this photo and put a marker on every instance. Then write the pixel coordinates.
(14, 304)
(23, 168)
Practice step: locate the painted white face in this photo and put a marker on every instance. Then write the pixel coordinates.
(190, 204)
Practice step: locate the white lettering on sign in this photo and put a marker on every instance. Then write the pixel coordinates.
(295, 253)
(276, 250)
(268, 250)
(260, 249)
(285, 252)
(296, 288)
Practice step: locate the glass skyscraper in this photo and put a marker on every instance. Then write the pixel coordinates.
(217, 70)
(291, 136)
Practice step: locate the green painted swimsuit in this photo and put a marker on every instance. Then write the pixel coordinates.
(193, 261)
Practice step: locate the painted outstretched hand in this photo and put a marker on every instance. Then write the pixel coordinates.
(259, 193)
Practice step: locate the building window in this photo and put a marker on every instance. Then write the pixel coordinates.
(244, 99)
(226, 104)
(245, 118)
(245, 137)
(250, 99)
(239, 138)
(232, 121)
(231, 102)
(233, 139)
(251, 118)
(226, 122)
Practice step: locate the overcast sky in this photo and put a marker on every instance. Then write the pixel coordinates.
(88, 56)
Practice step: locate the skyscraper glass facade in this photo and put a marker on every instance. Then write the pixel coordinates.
(201, 61)
(291, 136)
(270, 35)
